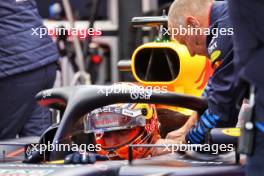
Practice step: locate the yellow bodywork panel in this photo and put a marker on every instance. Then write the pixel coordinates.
(192, 72)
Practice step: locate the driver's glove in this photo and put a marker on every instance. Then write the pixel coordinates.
(198, 133)
(84, 158)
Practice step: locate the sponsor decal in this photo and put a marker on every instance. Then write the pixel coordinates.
(232, 132)
(215, 55)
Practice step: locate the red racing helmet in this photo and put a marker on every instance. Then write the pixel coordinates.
(117, 126)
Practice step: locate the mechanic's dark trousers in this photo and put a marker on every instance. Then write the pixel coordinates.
(247, 20)
(255, 165)
(19, 112)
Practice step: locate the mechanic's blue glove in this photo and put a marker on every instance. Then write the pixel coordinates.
(197, 134)
(83, 158)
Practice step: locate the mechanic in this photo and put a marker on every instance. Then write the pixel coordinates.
(221, 91)
(27, 66)
(247, 19)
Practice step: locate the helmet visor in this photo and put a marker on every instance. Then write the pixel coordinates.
(111, 119)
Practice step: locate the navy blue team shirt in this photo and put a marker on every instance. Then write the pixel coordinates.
(20, 51)
(222, 91)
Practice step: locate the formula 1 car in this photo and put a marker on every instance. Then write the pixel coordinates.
(74, 103)
(82, 99)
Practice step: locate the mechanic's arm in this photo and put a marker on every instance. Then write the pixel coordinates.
(197, 134)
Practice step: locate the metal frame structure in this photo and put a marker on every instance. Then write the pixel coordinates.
(110, 26)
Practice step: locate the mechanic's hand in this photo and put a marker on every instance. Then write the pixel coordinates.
(179, 135)
(83, 158)
(176, 137)
(162, 151)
